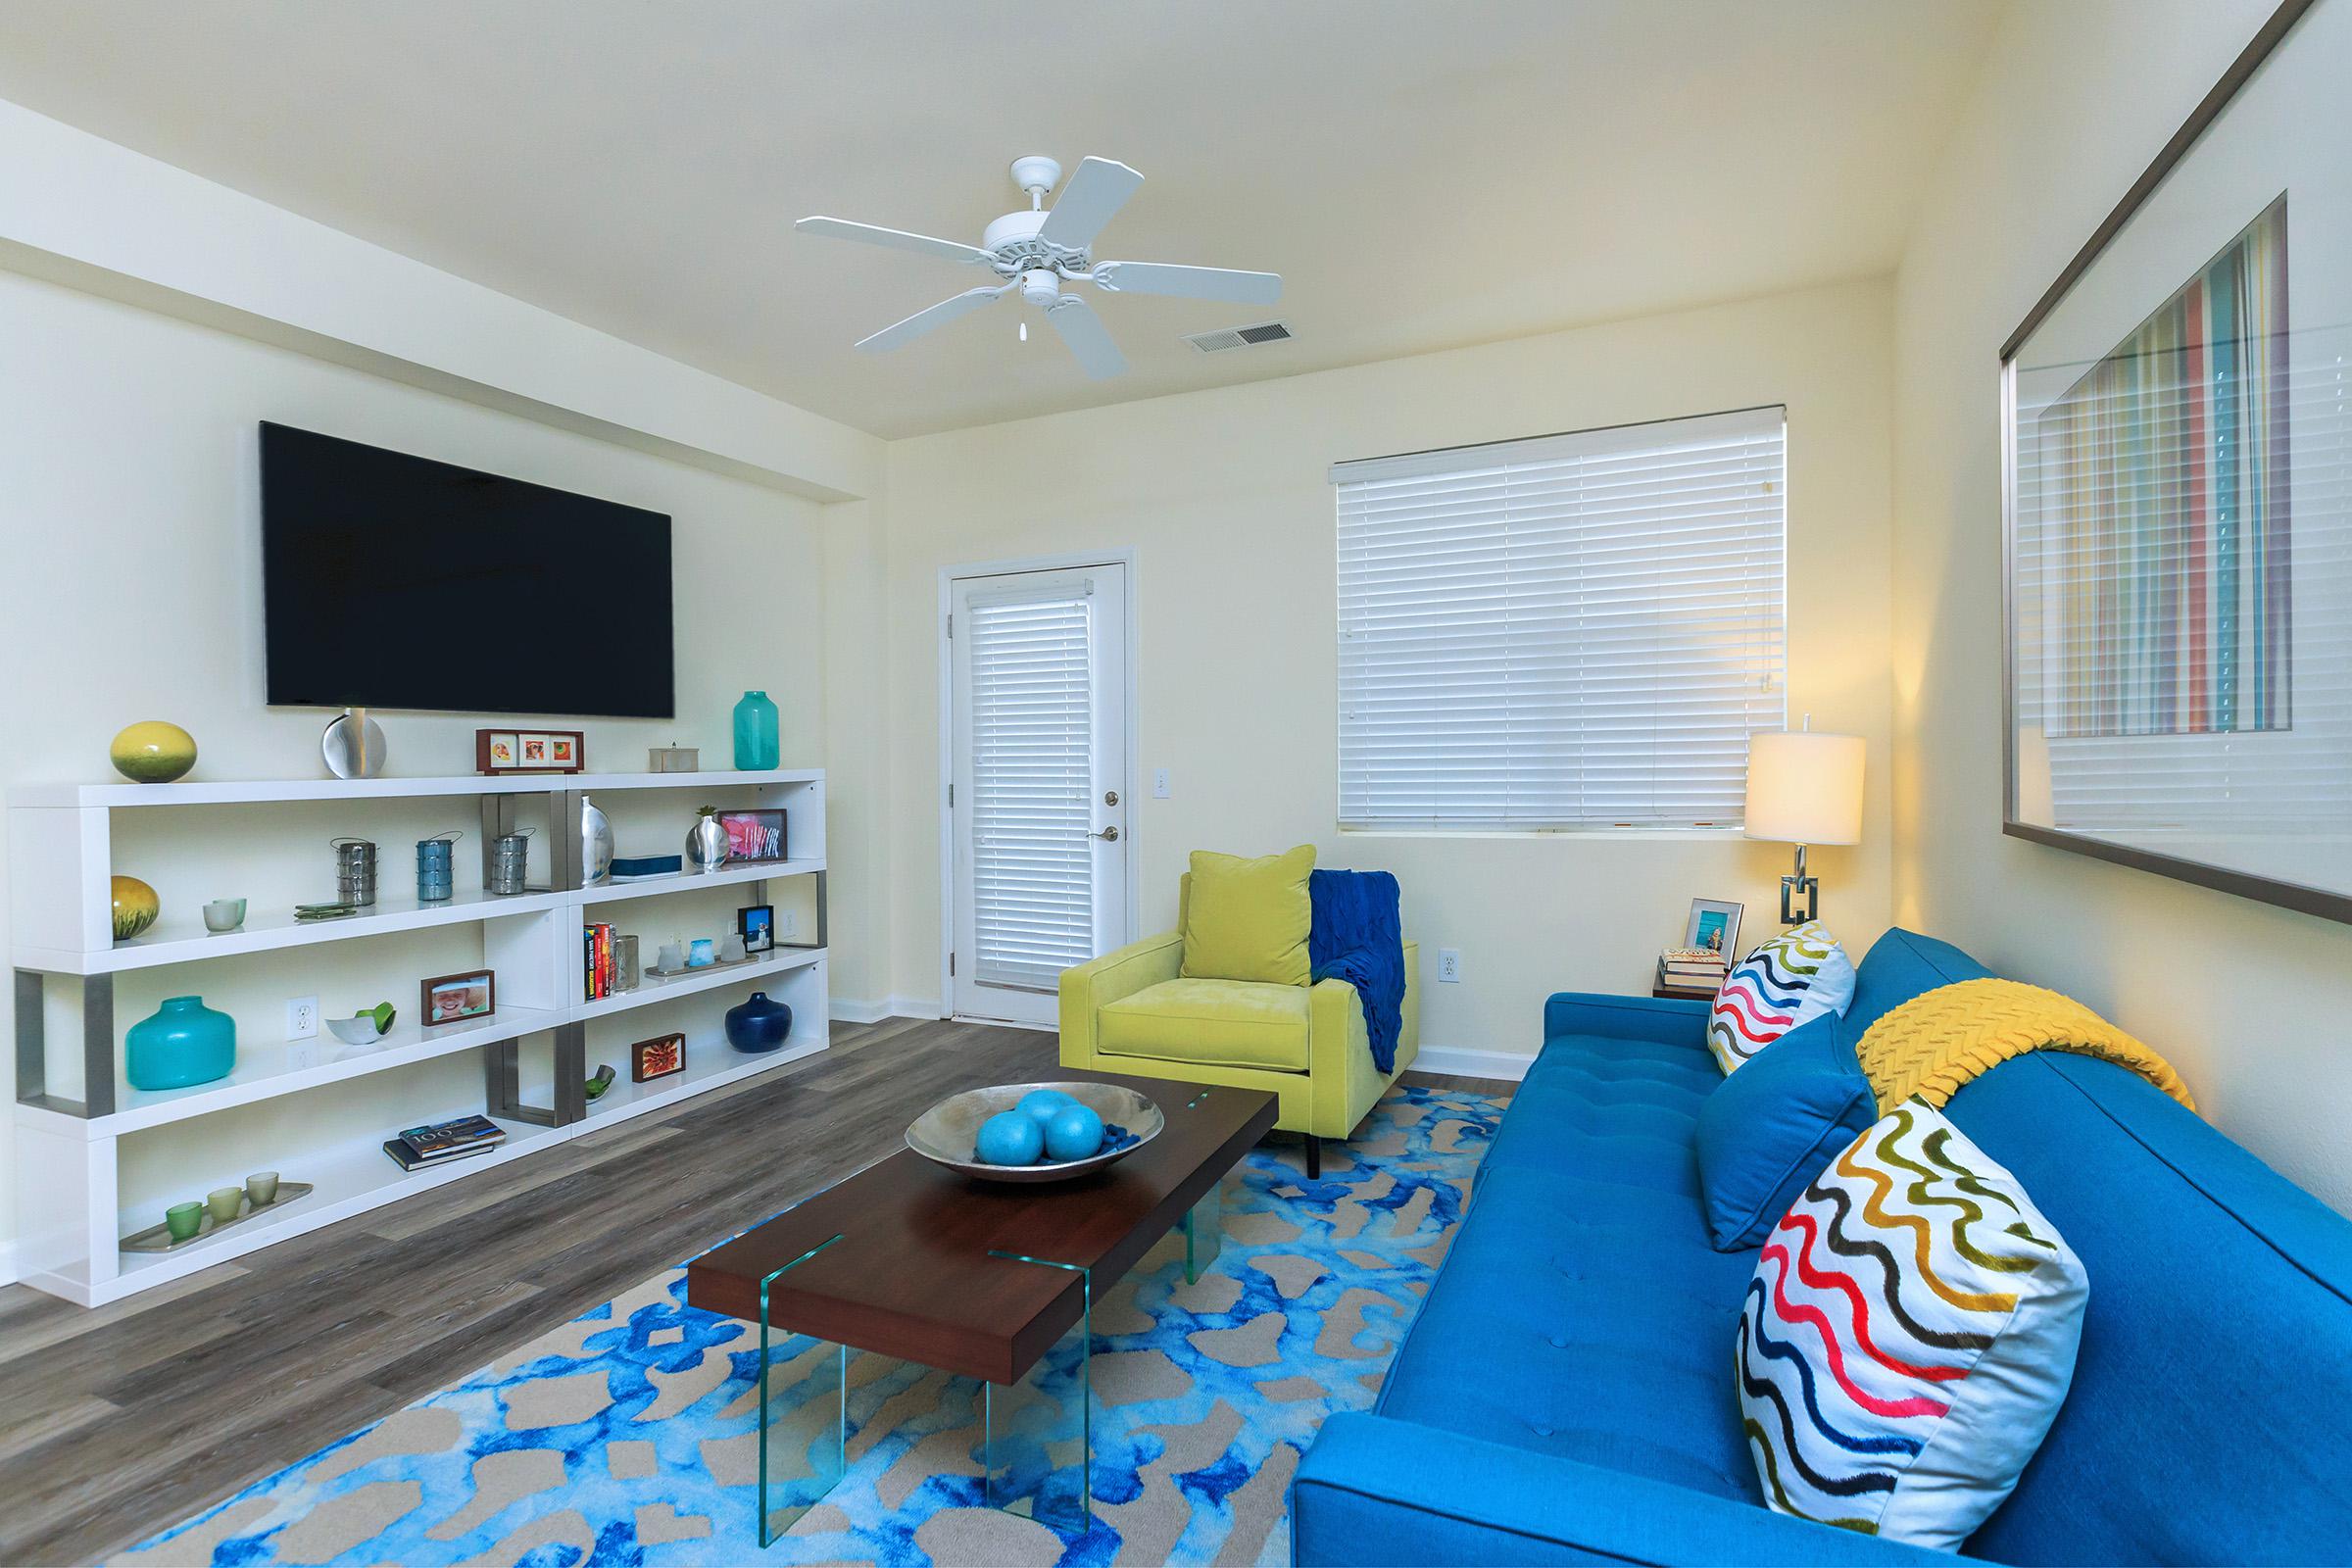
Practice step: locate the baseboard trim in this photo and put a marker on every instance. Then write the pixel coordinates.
(8, 1263)
(1472, 1063)
(889, 1007)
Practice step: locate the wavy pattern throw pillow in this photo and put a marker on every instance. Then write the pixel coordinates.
(1794, 978)
(1908, 1336)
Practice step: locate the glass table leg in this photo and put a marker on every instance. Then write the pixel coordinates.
(803, 1426)
(1204, 1233)
(1038, 1441)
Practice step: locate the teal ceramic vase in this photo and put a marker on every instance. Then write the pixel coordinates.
(185, 1041)
(757, 743)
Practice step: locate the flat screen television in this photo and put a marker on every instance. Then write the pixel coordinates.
(394, 582)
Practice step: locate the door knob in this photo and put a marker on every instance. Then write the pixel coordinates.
(1110, 797)
(1108, 834)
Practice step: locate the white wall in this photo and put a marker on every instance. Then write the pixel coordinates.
(1223, 495)
(133, 590)
(2244, 999)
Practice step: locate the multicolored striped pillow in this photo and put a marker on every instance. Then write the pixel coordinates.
(1908, 1336)
(1793, 979)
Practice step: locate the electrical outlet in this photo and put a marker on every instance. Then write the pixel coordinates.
(787, 925)
(1160, 783)
(302, 1017)
(1449, 964)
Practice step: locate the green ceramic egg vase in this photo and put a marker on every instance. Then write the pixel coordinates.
(153, 752)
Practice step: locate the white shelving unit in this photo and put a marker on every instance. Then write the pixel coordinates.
(76, 1117)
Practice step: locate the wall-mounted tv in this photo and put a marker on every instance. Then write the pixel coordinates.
(394, 582)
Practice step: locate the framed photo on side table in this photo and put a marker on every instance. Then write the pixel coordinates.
(1714, 924)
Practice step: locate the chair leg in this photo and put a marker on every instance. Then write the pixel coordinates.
(1315, 1156)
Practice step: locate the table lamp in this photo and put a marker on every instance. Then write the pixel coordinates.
(1803, 788)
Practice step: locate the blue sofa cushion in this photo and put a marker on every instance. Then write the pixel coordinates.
(1769, 1128)
(1899, 966)
(1613, 1111)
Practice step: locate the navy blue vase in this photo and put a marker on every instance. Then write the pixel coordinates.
(758, 1024)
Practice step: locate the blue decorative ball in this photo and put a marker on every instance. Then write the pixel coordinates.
(1042, 1104)
(1074, 1133)
(1010, 1138)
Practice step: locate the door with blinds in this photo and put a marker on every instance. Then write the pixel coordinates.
(1037, 784)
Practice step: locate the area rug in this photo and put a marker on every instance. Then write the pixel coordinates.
(627, 1436)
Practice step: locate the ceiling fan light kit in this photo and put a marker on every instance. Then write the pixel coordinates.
(1037, 251)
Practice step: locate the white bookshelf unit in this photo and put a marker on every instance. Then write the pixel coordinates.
(98, 1161)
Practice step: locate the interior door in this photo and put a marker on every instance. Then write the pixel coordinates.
(1037, 784)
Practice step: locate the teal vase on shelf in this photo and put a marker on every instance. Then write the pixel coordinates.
(182, 1041)
(758, 747)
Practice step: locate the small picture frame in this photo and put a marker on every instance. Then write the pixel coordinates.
(657, 1058)
(531, 751)
(758, 924)
(754, 836)
(1714, 924)
(457, 997)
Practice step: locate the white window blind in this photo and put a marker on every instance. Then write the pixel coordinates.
(1031, 730)
(1576, 631)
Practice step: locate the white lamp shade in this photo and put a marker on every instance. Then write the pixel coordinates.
(1804, 787)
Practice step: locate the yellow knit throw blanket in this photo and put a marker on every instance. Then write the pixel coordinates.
(1940, 1039)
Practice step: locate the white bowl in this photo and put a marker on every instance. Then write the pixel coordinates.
(945, 1133)
(359, 1031)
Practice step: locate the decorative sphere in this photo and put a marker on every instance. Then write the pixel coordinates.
(1042, 1104)
(135, 907)
(152, 752)
(1010, 1138)
(1074, 1133)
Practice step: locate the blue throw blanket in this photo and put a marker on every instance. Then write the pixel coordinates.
(1359, 937)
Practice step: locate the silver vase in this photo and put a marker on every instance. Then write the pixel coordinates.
(596, 844)
(706, 842)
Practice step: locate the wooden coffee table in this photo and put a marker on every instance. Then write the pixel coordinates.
(910, 1259)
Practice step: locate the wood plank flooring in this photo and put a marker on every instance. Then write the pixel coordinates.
(117, 1422)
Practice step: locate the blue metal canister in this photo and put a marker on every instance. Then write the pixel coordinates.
(436, 868)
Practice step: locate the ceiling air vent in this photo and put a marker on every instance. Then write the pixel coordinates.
(1239, 337)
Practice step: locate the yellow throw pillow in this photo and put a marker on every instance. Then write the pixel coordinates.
(1247, 920)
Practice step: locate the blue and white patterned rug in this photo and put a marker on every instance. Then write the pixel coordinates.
(629, 1437)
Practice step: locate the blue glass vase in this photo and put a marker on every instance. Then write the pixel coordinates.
(758, 1024)
(182, 1041)
(758, 745)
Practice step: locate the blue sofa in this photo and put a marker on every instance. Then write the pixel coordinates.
(1566, 1395)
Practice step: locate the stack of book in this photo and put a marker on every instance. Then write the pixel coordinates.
(443, 1141)
(1691, 969)
(597, 941)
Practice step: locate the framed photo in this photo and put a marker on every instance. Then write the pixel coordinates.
(529, 751)
(2173, 501)
(757, 923)
(457, 997)
(753, 835)
(1714, 925)
(657, 1058)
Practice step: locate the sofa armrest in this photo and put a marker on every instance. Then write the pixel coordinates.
(1378, 1491)
(1095, 984)
(1668, 1020)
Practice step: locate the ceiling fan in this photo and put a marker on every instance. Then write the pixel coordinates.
(1035, 252)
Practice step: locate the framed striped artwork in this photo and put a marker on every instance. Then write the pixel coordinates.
(2177, 442)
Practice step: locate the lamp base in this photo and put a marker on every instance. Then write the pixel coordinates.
(1796, 888)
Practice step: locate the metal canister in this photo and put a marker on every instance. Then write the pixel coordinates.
(436, 878)
(509, 862)
(354, 872)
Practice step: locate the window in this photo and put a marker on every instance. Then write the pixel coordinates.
(1576, 631)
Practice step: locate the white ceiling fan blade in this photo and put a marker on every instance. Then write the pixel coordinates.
(1087, 338)
(1188, 282)
(896, 239)
(1098, 190)
(921, 321)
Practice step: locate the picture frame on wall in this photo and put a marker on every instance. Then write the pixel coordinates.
(457, 997)
(2173, 515)
(1714, 925)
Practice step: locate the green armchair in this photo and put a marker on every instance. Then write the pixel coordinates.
(1131, 1012)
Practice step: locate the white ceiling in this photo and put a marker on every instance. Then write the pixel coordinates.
(1423, 175)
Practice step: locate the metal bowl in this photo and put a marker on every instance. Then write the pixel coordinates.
(945, 1133)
